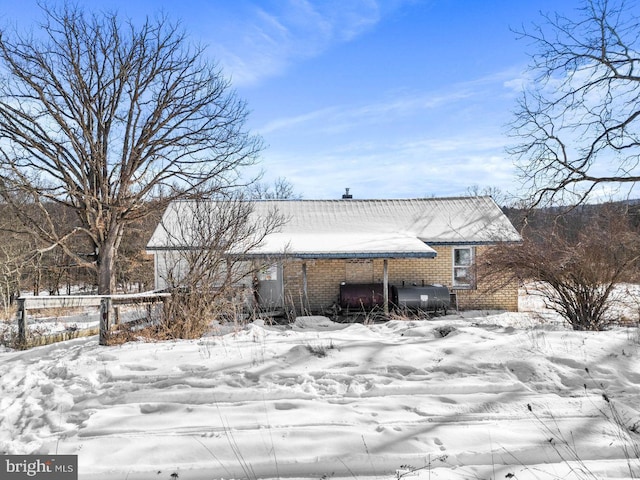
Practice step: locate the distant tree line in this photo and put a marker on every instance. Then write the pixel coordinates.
(29, 265)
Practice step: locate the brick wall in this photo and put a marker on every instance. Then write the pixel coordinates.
(325, 276)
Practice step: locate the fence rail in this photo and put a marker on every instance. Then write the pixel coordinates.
(109, 313)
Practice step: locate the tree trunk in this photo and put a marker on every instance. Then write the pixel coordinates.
(107, 255)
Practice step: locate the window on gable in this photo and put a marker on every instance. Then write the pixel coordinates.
(462, 266)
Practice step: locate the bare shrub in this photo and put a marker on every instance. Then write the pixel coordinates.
(321, 349)
(211, 262)
(575, 272)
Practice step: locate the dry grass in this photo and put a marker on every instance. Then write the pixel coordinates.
(185, 316)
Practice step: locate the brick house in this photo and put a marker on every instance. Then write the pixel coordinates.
(324, 245)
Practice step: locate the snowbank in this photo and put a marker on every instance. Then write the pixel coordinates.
(461, 396)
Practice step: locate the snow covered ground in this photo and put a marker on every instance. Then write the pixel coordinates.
(482, 395)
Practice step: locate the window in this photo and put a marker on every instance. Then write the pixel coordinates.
(462, 263)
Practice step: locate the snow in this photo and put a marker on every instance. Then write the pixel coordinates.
(469, 395)
(339, 227)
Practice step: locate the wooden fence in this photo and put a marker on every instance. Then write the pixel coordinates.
(109, 313)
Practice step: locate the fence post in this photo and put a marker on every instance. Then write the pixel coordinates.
(23, 328)
(105, 324)
(164, 315)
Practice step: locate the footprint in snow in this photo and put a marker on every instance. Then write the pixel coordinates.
(138, 368)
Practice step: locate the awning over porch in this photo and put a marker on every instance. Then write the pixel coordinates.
(343, 245)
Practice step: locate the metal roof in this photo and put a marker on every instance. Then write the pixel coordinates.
(361, 228)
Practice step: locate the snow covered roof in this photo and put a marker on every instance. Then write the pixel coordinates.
(364, 228)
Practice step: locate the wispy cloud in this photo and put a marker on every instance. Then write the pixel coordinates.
(430, 143)
(340, 118)
(287, 123)
(272, 35)
(397, 168)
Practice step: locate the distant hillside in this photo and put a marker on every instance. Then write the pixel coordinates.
(532, 222)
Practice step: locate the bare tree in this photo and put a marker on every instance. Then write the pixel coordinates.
(281, 189)
(134, 265)
(100, 116)
(15, 259)
(209, 256)
(501, 198)
(578, 119)
(575, 271)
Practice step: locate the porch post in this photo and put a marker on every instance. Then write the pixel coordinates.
(385, 285)
(305, 298)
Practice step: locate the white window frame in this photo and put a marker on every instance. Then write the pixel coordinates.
(457, 284)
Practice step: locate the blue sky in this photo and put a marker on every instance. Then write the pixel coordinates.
(390, 98)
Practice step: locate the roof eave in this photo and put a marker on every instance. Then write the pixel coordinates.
(343, 255)
(472, 242)
(309, 255)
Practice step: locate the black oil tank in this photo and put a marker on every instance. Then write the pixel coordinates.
(362, 296)
(425, 298)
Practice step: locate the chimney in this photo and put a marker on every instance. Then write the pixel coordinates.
(345, 195)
